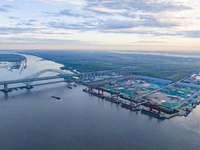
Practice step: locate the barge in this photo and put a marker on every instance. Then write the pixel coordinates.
(98, 95)
(153, 114)
(113, 100)
(187, 113)
(69, 87)
(87, 91)
(55, 97)
(130, 107)
(94, 93)
(124, 105)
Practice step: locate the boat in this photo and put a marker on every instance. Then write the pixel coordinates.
(55, 97)
(194, 106)
(69, 87)
(113, 100)
(130, 107)
(135, 109)
(153, 114)
(93, 93)
(87, 91)
(125, 105)
(98, 95)
(187, 113)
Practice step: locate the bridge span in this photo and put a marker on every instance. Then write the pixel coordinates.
(61, 74)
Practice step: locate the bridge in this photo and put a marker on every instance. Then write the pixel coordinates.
(61, 74)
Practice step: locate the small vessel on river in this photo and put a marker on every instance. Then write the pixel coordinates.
(55, 97)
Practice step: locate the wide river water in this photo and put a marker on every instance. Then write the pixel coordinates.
(32, 120)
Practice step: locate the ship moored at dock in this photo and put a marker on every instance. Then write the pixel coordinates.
(98, 95)
(90, 91)
(153, 114)
(87, 91)
(113, 100)
(130, 106)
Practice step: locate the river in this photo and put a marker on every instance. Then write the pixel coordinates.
(31, 119)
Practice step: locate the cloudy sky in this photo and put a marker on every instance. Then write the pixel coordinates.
(100, 24)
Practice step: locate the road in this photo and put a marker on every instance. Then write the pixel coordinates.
(178, 106)
(172, 84)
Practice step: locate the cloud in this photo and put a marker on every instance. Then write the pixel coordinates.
(60, 25)
(126, 8)
(192, 34)
(6, 8)
(127, 24)
(148, 42)
(114, 23)
(103, 15)
(146, 32)
(30, 22)
(17, 30)
(138, 18)
(11, 17)
(102, 6)
(41, 41)
(70, 13)
(81, 26)
(75, 2)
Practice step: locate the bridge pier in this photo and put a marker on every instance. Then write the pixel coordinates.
(6, 88)
(66, 80)
(29, 86)
(6, 95)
